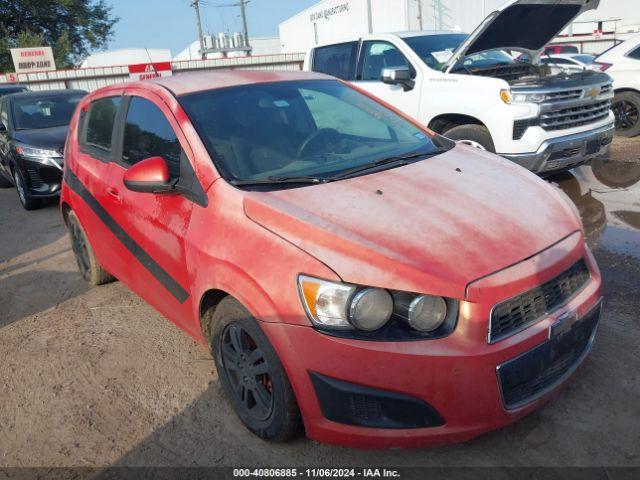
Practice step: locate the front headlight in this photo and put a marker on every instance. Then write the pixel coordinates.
(346, 307)
(27, 151)
(529, 97)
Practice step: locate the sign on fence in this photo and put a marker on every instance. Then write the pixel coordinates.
(36, 59)
(144, 71)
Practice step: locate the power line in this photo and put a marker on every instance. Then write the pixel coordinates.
(242, 4)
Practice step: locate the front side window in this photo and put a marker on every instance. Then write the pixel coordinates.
(317, 128)
(44, 112)
(147, 133)
(336, 60)
(635, 54)
(378, 55)
(99, 123)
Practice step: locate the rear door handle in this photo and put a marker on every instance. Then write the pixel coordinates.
(114, 193)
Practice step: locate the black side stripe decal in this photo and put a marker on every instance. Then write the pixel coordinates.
(130, 244)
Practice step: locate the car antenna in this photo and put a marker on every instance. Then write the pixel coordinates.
(151, 62)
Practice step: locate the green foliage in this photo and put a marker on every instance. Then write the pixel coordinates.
(73, 28)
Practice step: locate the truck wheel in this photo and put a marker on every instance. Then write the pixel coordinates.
(88, 264)
(626, 108)
(474, 135)
(251, 373)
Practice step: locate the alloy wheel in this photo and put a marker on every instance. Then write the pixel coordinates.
(248, 372)
(627, 114)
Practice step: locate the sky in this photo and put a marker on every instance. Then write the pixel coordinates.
(171, 23)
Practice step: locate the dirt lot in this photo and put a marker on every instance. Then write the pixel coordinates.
(96, 377)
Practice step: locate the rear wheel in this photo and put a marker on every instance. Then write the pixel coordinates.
(626, 108)
(27, 201)
(88, 264)
(251, 373)
(475, 135)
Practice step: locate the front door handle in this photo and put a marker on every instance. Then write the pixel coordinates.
(114, 193)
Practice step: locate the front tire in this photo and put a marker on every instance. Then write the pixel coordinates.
(474, 135)
(251, 373)
(88, 264)
(26, 199)
(626, 108)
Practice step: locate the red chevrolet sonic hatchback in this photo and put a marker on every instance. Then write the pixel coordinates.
(348, 268)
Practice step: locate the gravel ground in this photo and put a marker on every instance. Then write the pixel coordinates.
(95, 377)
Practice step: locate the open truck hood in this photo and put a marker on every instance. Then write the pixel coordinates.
(526, 25)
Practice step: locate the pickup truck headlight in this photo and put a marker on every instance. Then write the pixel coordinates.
(346, 307)
(528, 97)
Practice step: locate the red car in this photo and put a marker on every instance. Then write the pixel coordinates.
(349, 269)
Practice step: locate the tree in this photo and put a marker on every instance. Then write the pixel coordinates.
(73, 28)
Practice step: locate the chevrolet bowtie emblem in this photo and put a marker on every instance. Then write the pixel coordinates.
(592, 92)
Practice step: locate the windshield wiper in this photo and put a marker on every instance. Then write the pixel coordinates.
(277, 180)
(400, 160)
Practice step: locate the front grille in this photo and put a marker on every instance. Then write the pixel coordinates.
(564, 95)
(530, 375)
(575, 116)
(517, 313)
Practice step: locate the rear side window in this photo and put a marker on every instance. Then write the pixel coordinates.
(147, 133)
(635, 54)
(338, 60)
(99, 123)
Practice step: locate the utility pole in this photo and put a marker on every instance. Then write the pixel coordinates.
(245, 29)
(196, 6)
(420, 12)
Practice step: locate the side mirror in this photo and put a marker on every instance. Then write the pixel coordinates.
(398, 76)
(150, 175)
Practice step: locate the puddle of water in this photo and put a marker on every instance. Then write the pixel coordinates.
(607, 195)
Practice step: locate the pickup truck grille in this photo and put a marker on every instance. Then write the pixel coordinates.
(517, 313)
(575, 116)
(575, 107)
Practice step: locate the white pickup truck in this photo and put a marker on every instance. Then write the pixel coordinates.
(473, 89)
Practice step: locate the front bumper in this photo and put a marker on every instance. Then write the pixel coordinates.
(457, 377)
(566, 152)
(43, 176)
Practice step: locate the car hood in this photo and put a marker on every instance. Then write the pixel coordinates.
(438, 224)
(526, 25)
(51, 138)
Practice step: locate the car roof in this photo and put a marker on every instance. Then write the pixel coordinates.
(12, 86)
(46, 93)
(184, 83)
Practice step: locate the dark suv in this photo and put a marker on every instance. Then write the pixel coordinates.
(33, 128)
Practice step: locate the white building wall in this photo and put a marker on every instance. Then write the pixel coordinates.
(333, 20)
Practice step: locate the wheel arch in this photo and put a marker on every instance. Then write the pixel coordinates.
(206, 307)
(626, 89)
(446, 121)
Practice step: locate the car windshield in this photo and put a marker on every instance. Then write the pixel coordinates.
(299, 129)
(436, 50)
(44, 112)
